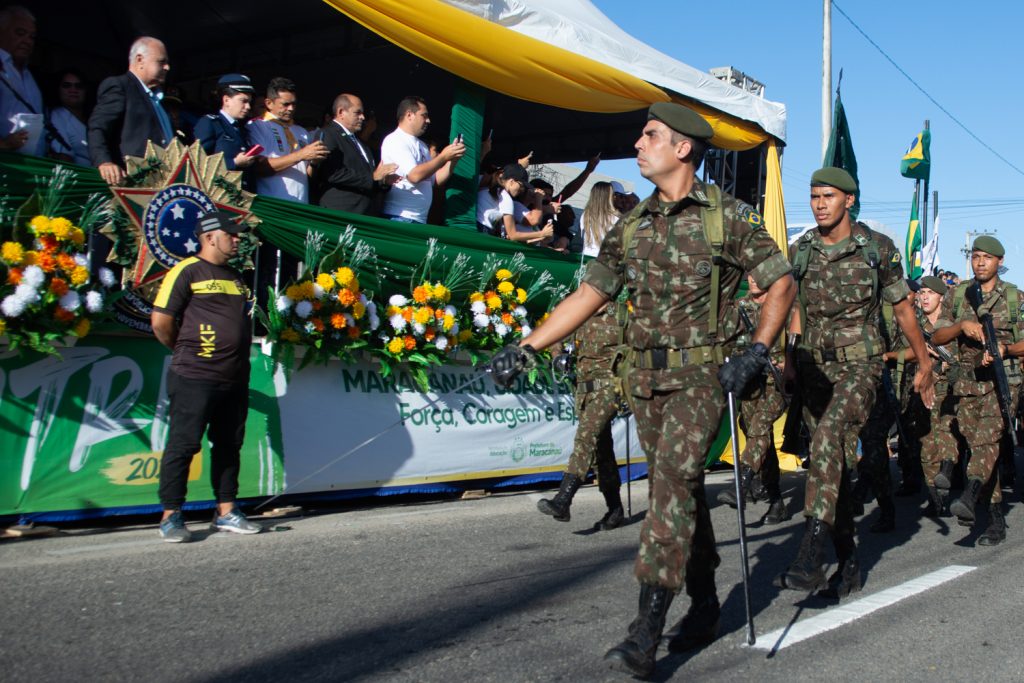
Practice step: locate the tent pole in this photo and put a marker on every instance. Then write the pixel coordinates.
(826, 76)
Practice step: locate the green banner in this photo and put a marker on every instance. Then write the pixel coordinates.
(839, 152)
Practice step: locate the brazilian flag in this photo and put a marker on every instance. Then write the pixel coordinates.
(917, 162)
(913, 247)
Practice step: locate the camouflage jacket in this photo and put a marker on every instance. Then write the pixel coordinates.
(837, 290)
(667, 269)
(596, 341)
(974, 379)
(753, 311)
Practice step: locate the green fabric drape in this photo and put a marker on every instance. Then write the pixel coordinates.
(400, 246)
(467, 120)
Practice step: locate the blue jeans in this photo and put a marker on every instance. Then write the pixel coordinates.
(400, 219)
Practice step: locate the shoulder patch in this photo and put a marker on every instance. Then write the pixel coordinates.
(747, 213)
(896, 256)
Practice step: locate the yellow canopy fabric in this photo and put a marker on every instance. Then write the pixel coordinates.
(774, 202)
(529, 69)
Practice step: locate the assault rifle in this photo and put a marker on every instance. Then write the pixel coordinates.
(776, 373)
(974, 298)
(944, 355)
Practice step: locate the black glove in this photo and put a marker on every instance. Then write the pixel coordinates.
(737, 373)
(508, 363)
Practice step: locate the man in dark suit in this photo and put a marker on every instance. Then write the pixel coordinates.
(128, 112)
(225, 131)
(350, 177)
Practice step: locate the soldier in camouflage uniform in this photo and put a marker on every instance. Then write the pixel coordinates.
(844, 271)
(978, 413)
(662, 253)
(762, 405)
(597, 403)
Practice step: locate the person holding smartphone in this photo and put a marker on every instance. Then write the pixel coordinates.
(225, 131)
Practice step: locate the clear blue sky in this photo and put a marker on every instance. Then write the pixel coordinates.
(966, 57)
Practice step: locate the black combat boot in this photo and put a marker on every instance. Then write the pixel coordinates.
(558, 507)
(699, 626)
(615, 517)
(807, 573)
(887, 517)
(944, 478)
(778, 512)
(635, 655)
(996, 531)
(728, 496)
(937, 503)
(963, 507)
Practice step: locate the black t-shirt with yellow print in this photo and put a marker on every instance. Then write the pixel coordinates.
(209, 302)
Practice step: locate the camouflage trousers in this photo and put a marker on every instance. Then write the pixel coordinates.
(676, 429)
(759, 414)
(982, 425)
(938, 442)
(874, 442)
(837, 399)
(593, 446)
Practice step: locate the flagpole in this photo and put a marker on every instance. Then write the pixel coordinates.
(924, 214)
(826, 77)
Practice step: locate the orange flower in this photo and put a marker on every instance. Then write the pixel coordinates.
(346, 297)
(507, 318)
(410, 343)
(353, 332)
(48, 243)
(58, 286)
(63, 315)
(14, 276)
(419, 295)
(338, 321)
(439, 315)
(407, 314)
(318, 324)
(429, 334)
(66, 262)
(30, 258)
(47, 262)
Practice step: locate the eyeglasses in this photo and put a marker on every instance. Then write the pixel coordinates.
(72, 85)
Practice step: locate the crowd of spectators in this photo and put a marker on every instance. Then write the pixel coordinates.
(339, 165)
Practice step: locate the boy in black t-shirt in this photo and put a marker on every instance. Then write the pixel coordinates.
(200, 314)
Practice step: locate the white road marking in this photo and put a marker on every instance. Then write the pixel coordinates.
(103, 547)
(844, 614)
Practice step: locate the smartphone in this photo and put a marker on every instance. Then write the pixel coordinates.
(254, 151)
(490, 134)
(458, 138)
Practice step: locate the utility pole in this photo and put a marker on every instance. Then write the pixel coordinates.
(969, 236)
(826, 76)
(924, 213)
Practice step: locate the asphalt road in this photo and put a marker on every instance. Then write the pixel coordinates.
(487, 590)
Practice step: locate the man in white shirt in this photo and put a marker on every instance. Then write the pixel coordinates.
(19, 93)
(286, 162)
(409, 198)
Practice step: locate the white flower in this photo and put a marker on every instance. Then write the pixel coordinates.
(519, 312)
(70, 301)
(12, 306)
(107, 277)
(349, 320)
(309, 327)
(94, 302)
(33, 276)
(318, 291)
(81, 260)
(441, 343)
(303, 309)
(455, 329)
(481, 320)
(371, 307)
(397, 300)
(501, 329)
(418, 328)
(397, 322)
(374, 321)
(478, 307)
(450, 310)
(283, 304)
(26, 292)
(362, 300)
(527, 330)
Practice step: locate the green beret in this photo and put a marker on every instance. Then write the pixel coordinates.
(681, 120)
(989, 245)
(836, 177)
(934, 283)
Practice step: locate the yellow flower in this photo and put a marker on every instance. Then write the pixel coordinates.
(12, 253)
(358, 309)
(307, 290)
(61, 228)
(40, 224)
(465, 336)
(423, 315)
(503, 274)
(449, 320)
(392, 310)
(3, 325)
(441, 292)
(293, 292)
(81, 328)
(344, 276)
(506, 287)
(521, 295)
(476, 296)
(494, 302)
(289, 335)
(30, 258)
(326, 281)
(78, 236)
(79, 276)
(396, 345)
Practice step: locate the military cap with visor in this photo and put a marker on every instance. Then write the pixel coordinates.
(239, 82)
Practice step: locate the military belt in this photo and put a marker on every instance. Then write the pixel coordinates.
(592, 385)
(663, 358)
(843, 354)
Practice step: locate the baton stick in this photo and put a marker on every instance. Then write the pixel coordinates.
(751, 639)
(629, 475)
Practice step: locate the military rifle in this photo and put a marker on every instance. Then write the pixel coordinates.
(974, 298)
(776, 373)
(944, 355)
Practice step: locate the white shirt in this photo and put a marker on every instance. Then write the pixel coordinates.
(291, 183)
(405, 199)
(589, 248)
(490, 209)
(23, 83)
(74, 133)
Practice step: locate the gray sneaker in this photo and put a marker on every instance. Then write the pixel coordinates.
(173, 529)
(236, 522)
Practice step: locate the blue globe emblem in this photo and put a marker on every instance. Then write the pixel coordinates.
(169, 223)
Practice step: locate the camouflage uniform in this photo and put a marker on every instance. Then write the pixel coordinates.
(938, 441)
(978, 414)
(839, 357)
(674, 390)
(597, 400)
(760, 408)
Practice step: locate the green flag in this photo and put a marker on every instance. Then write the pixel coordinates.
(913, 247)
(917, 162)
(840, 150)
